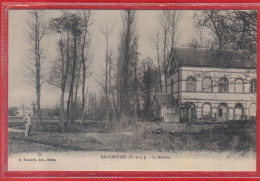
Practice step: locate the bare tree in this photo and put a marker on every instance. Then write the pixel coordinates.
(156, 42)
(169, 22)
(174, 18)
(113, 84)
(37, 31)
(216, 21)
(106, 31)
(85, 59)
(201, 37)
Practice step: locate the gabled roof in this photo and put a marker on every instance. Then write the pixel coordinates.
(212, 58)
(164, 99)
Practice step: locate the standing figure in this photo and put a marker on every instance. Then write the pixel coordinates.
(28, 121)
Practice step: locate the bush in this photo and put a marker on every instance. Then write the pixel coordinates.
(231, 136)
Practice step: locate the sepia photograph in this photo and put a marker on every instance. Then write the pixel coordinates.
(132, 90)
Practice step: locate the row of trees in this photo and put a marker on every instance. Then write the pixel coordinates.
(71, 67)
(127, 82)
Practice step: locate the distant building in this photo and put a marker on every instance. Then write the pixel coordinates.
(20, 111)
(206, 84)
(23, 111)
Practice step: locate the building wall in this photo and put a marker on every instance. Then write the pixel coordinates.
(214, 98)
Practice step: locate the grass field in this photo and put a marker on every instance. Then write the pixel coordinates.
(237, 137)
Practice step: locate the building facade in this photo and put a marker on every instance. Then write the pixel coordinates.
(212, 85)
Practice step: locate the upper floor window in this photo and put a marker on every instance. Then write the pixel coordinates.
(223, 85)
(239, 86)
(191, 84)
(207, 85)
(253, 86)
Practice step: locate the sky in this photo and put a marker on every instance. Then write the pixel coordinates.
(20, 88)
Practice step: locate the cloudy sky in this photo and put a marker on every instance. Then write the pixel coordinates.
(20, 89)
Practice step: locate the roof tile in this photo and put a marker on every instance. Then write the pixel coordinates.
(213, 58)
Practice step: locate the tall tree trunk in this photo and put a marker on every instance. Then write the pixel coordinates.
(72, 105)
(68, 107)
(83, 78)
(77, 87)
(83, 91)
(68, 58)
(164, 60)
(38, 103)
(124, 95)
(76, 93)
(38, 69)
(86, 20)
(63, 85)
(83, 108)
(62, 112)
(159, 69)
(106, 86)
(136, 93)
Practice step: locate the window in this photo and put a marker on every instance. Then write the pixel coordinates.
(206, 110)
(191, 84)
(220, 112)
(253, 86)
(238, 111)
(223, 112)
(223, 85)
(206, 85)
(172, 86)
(239, 86)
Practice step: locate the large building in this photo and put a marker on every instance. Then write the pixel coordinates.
(209, 84)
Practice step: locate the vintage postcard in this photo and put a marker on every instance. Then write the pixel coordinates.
(132, 90)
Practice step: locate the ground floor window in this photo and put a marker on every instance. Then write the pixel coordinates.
(206, 110)
(238, 111)
(223, 112)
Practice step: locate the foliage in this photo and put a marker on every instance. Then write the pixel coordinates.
(230, 29)
(72, 65)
